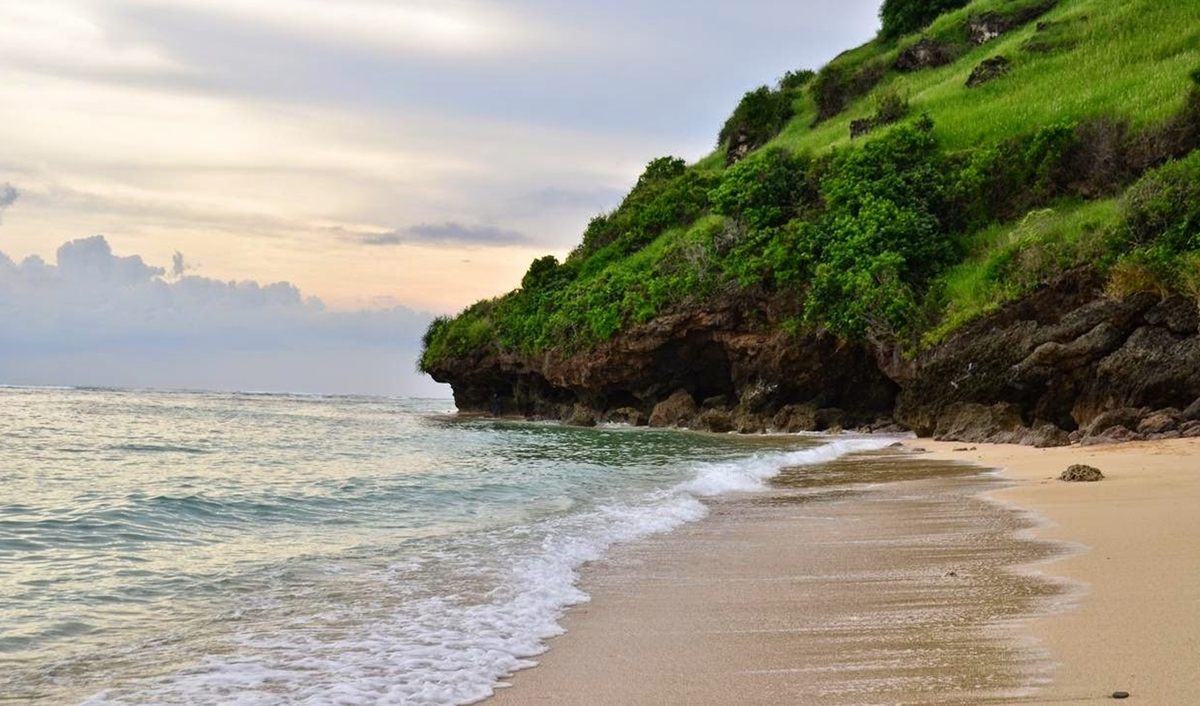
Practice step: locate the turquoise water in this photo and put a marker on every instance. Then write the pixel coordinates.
(204, 548)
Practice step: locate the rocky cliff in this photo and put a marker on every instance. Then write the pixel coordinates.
(1065, 363)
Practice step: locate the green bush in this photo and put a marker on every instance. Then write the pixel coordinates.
(1162, 209)
(760, 116)
(1002, 181)
(667, 195)
(880, 240)
(795, 80)
(763, 191)
(900, 17)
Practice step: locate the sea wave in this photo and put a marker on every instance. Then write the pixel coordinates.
(394, 648)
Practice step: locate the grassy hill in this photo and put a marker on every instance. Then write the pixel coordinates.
(1073, 146)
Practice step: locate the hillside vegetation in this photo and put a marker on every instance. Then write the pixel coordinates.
(910, 186)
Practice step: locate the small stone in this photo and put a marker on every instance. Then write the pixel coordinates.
(990, 70)
(962, 448)
(1081, 473)
(1120, 695)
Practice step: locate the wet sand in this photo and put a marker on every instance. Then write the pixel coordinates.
(871, 580)
(1137, 628)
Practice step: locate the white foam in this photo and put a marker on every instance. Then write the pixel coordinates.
(452, 649)
(751, 475)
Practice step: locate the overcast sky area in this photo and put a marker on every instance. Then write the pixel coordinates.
(286, 190)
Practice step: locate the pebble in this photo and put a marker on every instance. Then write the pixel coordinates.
(1120, 694)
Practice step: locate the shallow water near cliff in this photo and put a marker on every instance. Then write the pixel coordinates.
(205, 548)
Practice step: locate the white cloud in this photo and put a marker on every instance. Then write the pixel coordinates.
(98, 318)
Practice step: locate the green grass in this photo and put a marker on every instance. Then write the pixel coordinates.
(1007, 262)
(1128, 61)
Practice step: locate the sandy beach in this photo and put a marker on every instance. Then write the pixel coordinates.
(934, 594)
(1137, 629)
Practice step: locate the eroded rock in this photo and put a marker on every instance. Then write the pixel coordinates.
(985, 27)
(926, 53)
(1160, 422)
(1112, 435)
(999, 423)
(988, 70)
(1127, 417)
(1080, 473)
(677, 410)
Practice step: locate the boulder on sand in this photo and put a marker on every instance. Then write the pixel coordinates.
(1080, 473)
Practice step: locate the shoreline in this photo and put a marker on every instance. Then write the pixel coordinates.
(1124, 546)
(1137, 626)
(873, 578)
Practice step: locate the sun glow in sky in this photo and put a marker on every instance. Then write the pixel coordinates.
(372, 153)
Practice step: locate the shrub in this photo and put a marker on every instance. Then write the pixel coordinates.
(795, 80)
(835, 86)
(880, 241)
(1162, 209)
(900, 17)
(667, 195)
(764, 191)
(1000, 182)
(760, 116)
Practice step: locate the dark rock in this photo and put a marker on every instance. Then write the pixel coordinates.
(626, 415)
(1154, 368)
(1081, 473)
(972, 422)
(988, 70)
(1192, 413)
(1112, 435)
(747, 422)
(1091, 346)
(741, 143)
(926, 53)
(716, 420)
(1120, 694)
(895, 445)
(1179, 314)
(989, 25)
(1160, 422)
(1045, 436)
(860, 127)
(1076, 436)
(582, 416)
(1164, 436)
(676, 410)
(795, 417)
(1127, 417)
(830, 419)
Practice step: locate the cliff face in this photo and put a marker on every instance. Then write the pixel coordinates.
(1065, 360)
(721, 366)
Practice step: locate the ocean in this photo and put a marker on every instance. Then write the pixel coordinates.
(261, 549)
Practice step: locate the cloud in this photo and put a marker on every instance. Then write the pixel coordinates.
(8, 196)
(448, 234)
(177, 265)
(105, 317)
(555, 198)
(92, 260)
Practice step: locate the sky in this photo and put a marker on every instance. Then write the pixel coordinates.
(279, 194)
